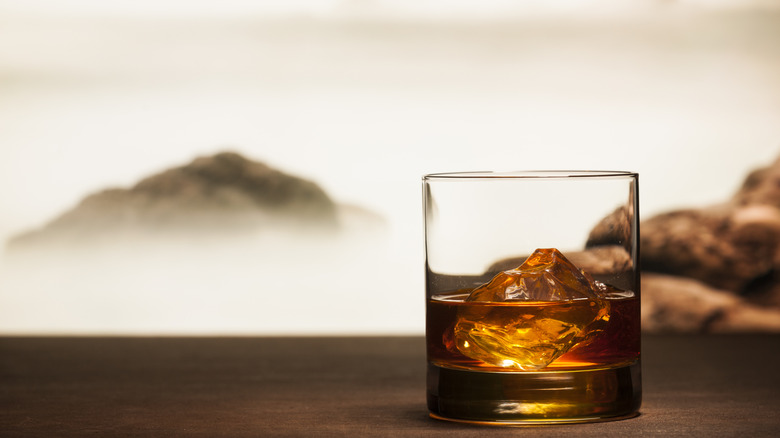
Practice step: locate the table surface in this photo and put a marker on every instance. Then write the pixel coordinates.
(694, 385)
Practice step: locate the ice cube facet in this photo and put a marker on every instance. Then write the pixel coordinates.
(527, 317)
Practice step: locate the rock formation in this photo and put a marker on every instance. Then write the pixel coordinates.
(718, 267)
(711, 269)
(733, 246)
(213, 195)
(674, 304)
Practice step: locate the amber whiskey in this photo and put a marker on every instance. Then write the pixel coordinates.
(597, 377)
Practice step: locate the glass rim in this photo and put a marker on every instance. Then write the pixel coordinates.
(528, 174)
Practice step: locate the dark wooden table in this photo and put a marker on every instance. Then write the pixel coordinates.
(348, 386)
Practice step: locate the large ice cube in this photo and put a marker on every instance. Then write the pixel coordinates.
(544, 276)
(529, 316)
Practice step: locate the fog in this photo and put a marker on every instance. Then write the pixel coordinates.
(362, 99)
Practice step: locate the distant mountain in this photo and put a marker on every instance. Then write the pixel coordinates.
(223, 194)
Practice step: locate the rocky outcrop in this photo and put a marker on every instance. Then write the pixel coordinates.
(716, 268)
(220, 194)
(672, 304)
(734, 246)
(614, 229)
(712, 269)
(728, 247)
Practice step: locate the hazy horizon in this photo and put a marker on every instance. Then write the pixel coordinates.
(364, 100)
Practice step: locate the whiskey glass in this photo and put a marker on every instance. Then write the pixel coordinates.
(532, 296)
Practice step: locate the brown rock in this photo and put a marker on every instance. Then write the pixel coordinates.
(762, 186)
(734, 246)
(615, 229)
(678, 304)
(710, 246)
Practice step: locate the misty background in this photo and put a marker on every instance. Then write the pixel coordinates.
(362, 98)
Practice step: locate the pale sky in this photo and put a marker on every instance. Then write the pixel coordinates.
(100, 94)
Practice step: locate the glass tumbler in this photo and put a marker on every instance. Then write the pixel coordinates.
(532, 296)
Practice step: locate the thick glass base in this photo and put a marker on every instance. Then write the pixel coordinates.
(526, 398)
